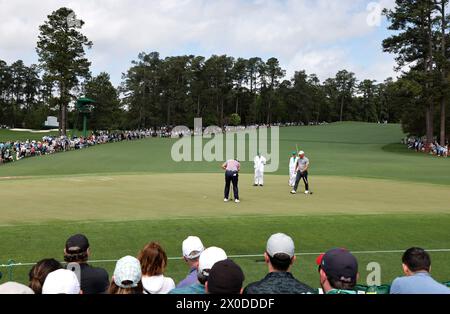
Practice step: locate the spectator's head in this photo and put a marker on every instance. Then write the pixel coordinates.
(301, 154)
(127, 277)
(207, 259)
(14, 288)
(153, 259)
(77, 249)
(338, 269)
(416, 260)
(280, 253)
(61, 281)
(192, 248)
(39, 273)
(225, 277)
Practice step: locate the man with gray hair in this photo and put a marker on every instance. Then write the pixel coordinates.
(207, 259)
(192, 248)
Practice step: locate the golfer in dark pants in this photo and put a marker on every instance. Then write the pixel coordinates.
(231, 168)
(302, 173)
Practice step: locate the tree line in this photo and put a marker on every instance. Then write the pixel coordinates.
(224, 90)
(422, 48)
(175, 90)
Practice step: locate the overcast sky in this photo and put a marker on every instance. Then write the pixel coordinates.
(320, 36)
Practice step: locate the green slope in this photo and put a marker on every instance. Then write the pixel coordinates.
(342, 149)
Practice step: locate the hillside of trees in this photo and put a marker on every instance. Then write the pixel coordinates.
(158, 91)
(174, 90)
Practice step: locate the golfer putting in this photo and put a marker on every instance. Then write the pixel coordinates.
(302, 172)
(232, 168)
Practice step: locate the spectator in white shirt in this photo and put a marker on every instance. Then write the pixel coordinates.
(153, 261)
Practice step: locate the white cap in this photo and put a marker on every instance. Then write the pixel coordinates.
(209, 257)
(128, 268)
(15, 288)
(301, 153)
(280, 244)
(61, 281)
(192, 247)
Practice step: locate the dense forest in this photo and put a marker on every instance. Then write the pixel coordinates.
(223, 90)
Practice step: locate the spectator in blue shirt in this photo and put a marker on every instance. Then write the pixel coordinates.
(417, 268)
(207, 259)
(192, 248)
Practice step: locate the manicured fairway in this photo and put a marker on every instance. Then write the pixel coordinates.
(243, 236)
(371, 195)
(342, 149)
(163, 196)
(8, 135)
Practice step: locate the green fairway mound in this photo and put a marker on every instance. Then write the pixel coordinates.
(341, 149)
(162, 196)
(370, 195)
(372, 238)
(24, 134)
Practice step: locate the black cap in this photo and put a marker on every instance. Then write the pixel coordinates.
(226, 277)
(341, 265)
(77, 244)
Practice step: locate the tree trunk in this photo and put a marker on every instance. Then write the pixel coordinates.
(168, 113)
(63, 109)
(443, 120)
(443, 72)
(429, 98)
(198, 106)
(429, 123)
(221, 113)
(60, 118)
(64, 119)
(318, 113)
(342, 109)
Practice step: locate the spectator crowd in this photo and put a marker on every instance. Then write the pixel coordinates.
(211, 271)
(17, 150)
(420, 145)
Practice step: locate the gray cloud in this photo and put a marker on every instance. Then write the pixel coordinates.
(303, 34)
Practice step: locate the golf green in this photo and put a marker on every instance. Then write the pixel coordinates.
(371, 195)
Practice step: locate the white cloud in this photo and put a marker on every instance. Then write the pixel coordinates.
(303, 34)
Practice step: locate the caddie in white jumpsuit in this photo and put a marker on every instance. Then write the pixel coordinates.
(292, 165)
(260, 162)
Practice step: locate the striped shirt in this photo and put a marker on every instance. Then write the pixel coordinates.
(232, 165)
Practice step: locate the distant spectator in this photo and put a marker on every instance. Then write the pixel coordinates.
(338, 270)
(225, 277)
(14, 288)
(127, 277)
(207, 259)
(153, 261)
(93, 280)
(417, 267)
(61, 281)
(50, 144)
(279, 257)
(192, 248)
(39, 273)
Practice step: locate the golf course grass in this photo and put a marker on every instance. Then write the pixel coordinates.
(23, 135)
(371, 195)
